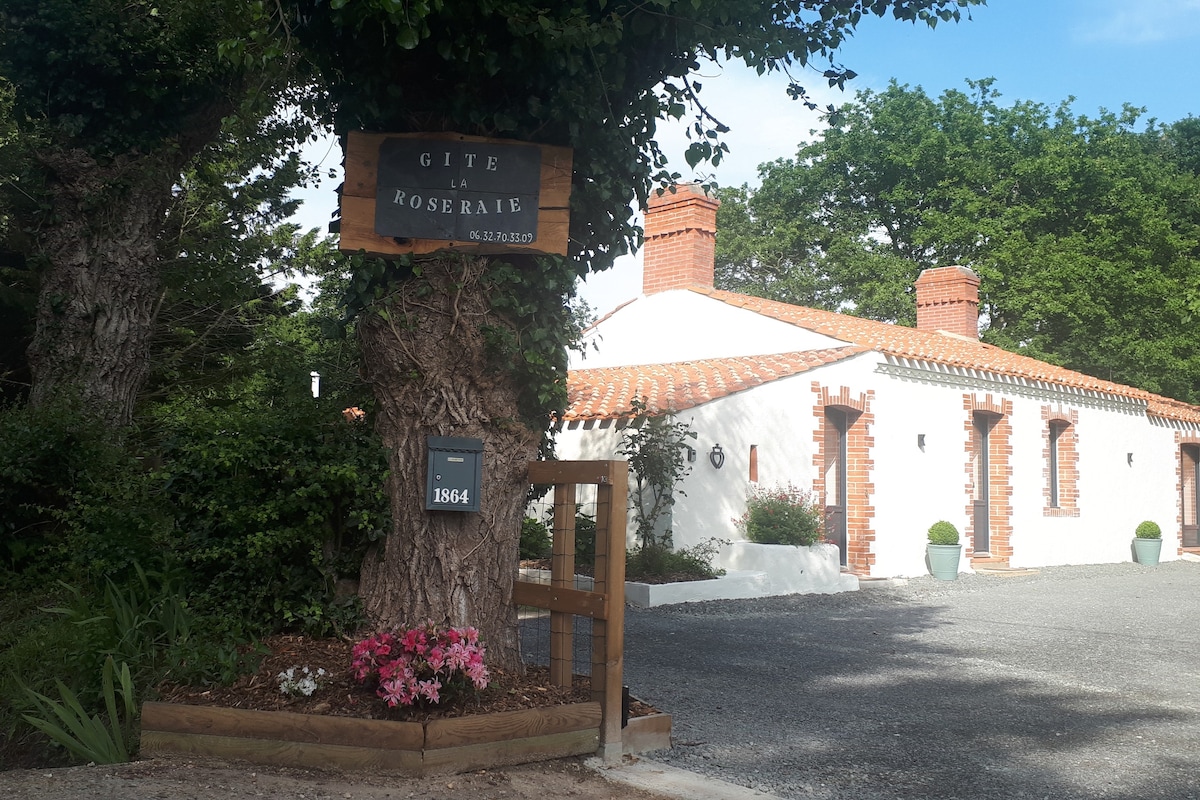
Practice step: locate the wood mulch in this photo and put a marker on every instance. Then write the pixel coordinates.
(340, 695)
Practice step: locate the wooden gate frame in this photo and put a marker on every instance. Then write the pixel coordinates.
(605, 604)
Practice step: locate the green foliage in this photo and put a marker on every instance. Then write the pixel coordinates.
(942, 532)
(784, 514)
(121, 76)
(274, 504)
(535, 539)
(656, 448)
(1084, 231)
(134, 622)
(51, 459)
(1148, 530)
(260, 494)
(141, 630)
(90, 738)
(659, 563)
(595, 77)
(585, 538)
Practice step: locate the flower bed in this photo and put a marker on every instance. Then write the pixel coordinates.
(454, 744)
(344, 724)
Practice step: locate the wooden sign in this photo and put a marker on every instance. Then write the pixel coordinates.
(417, 193)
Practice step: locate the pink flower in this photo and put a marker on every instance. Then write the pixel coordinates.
(429, 690)
(395, 693)
(420, 663)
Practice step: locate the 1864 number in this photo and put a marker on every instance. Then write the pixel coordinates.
(461, 497)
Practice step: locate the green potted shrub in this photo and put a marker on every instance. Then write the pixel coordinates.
(943, 550)
(1147, 543)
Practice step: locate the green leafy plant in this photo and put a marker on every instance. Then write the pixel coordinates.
(535, 539)
(90, 738)
(942, 532)
(657, 563)
(782, 514)
(655, 447)
(1148, 530)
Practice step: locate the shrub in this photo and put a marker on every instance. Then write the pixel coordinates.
(535, 539)
(585, 538)
(942, 532)
(658, 563)
(1148, 530)
(52, 461)
(655, 447)
(272, 507)
(784, 514)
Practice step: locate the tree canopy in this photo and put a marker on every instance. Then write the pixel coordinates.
(123, 108)
(1085, 232)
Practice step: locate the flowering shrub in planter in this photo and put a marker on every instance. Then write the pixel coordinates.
(421, 665)
(783, 514)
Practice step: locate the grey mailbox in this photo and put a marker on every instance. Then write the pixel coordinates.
(455, 473)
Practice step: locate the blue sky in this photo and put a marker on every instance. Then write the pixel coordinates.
(1103, 53)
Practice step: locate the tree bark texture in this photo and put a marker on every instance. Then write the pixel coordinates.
(100, 281)
(426, 354)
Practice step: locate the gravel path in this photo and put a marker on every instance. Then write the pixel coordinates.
(1074, 682)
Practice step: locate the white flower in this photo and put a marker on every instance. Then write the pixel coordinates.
(305, 685)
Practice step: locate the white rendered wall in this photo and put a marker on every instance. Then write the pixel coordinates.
(915, 487)
(682, 325)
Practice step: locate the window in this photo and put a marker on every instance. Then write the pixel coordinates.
(1060, 451)
(1189, 483)
(1057, 427)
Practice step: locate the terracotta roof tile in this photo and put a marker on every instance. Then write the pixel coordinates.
(953, 351)
(609, 392)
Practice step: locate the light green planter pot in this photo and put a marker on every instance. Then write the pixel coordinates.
(1147, 551)
(943, 560)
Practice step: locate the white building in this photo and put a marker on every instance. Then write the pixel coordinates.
(892, 428)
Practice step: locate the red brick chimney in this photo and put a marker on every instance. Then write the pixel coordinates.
(948, 300)
(681, 228)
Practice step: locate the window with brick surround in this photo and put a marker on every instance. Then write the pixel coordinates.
(1061, 463)
(1056, 429)
(1189, 483)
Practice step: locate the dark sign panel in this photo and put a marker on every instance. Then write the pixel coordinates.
(464, 191)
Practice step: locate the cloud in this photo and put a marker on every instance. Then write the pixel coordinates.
(1139, 22)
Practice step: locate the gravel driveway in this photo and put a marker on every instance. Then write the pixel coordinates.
(1073, 682)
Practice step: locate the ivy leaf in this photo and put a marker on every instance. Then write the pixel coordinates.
(407, 38)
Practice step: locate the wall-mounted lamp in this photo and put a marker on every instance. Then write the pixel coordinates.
(1129, 459)
(921, 441)
(717, 456)
(691, 456)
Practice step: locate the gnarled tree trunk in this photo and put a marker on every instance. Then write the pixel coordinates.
(100, 281)
(426, 354)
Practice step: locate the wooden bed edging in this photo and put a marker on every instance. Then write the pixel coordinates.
(308, 740)
(646, 734)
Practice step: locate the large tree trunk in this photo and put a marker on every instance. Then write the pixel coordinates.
(426, 355)
(100, 281)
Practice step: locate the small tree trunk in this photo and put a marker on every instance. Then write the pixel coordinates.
(426, 355)
(100, 281)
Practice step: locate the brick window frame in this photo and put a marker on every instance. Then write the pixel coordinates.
(1064, 451)
(1187, 449)
(1000, 474)
(860, 513)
